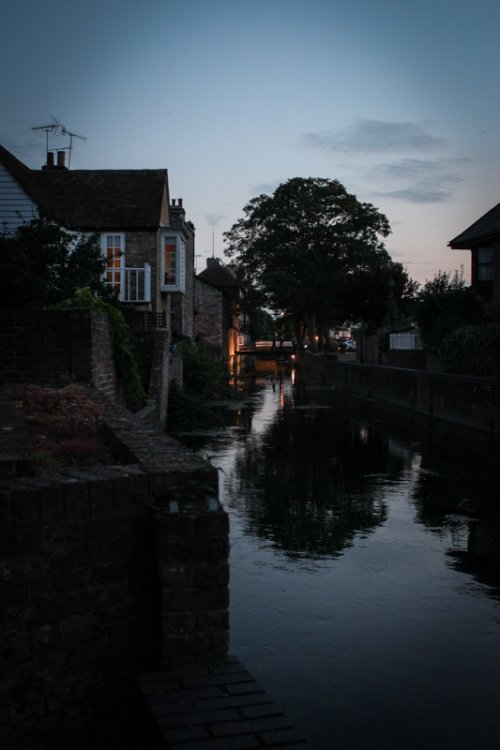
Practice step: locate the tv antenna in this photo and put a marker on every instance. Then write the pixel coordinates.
(65, 131)
(57, 128)
(53, 127)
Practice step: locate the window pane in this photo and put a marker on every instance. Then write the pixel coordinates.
(114, 260)
(485, 263)
(169, 259)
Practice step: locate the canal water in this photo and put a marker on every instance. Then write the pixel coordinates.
(365, 568)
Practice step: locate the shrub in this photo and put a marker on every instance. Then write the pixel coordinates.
(445, 304)
(42, 264)
(472, 350)
(204, 379)
(203, 375)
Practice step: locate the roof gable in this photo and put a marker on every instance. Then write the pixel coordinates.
(485, 229)
(105, 199)
(218, 275)
(118, 199)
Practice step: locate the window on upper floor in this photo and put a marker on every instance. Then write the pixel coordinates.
(113, 249)
(485, 263)
(173, 263)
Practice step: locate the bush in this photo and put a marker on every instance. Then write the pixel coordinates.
(204, 379)
(203, 375)
(445, 304)
(472, 350)
(42, 264)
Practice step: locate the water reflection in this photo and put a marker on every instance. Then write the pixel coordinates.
(365, 568)
(313, 484)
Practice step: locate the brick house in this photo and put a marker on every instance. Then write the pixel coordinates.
(217, 309)
(483, 240)
(145, 238)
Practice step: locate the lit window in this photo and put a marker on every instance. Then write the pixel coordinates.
(485, 264)
(113, 248)
(173, 263)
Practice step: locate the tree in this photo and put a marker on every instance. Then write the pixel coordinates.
(42, 264)
(444, 304)
(307, 247)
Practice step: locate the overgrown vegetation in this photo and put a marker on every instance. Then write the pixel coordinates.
(445, 304)
(63, 428)
(126, 364)
(42, 264)
(204, 380)
(472, 350)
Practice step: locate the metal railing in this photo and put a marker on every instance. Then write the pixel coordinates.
(143, 320)
(134, 284)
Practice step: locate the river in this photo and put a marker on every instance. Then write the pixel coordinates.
(365, 568)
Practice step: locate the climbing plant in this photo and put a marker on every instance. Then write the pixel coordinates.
(125, 361)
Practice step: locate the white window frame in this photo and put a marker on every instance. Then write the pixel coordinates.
(121, 268)
(179, 284)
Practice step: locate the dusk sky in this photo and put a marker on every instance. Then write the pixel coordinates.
(399, 101)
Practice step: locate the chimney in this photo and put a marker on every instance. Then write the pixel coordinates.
(50, 160)
(180, 202)
(61, 156)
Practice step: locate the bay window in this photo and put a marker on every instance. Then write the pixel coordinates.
(173, 263)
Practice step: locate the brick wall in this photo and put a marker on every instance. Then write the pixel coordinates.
(106, 571)
(469, 401)
(208, 320)
(57, 347)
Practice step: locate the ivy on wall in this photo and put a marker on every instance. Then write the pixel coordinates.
(127, 370)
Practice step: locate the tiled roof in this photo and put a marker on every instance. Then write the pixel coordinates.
(484, 229)
(218, 275)
(94, 199)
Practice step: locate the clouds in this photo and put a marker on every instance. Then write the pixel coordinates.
(420, 180)
(375, 137)
(418, 172)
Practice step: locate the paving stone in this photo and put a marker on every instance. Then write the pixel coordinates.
(216, 705)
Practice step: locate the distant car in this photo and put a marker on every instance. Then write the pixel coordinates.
(346, 345)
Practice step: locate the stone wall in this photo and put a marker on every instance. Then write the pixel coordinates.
(470, 401)
(106, 571)
(208, 317)
(57, 347)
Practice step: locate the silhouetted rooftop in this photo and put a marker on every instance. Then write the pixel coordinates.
(484, 229)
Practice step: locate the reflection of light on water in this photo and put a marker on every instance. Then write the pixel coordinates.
(364, 434)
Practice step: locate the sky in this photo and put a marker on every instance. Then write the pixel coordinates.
(399, 101)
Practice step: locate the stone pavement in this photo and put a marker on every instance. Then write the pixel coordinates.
(215, 705)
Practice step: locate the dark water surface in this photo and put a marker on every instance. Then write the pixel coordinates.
(365, 559)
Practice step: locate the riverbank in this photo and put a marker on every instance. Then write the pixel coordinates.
(108, 570)
(465, 400)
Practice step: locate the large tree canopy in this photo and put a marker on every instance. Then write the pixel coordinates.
(316, 253)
